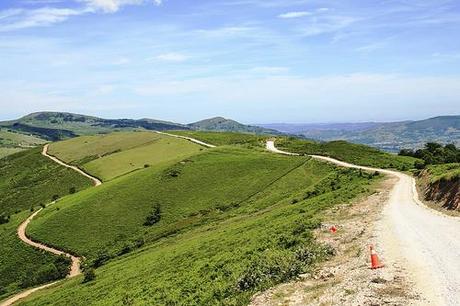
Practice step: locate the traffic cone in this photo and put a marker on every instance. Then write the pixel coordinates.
(333, 229)
(375, 263)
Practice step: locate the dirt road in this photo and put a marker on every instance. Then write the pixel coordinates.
(75, 267)
(422, 240)
(95, 180)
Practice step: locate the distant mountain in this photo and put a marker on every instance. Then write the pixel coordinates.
(53, 126)
(56, 125)
(220, 124)
(390, 136)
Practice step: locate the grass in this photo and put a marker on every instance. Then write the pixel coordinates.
(188, 193)
(225, 138)
(162, 149)
(234, 251)
(84, 149)
(29, 179)
(445, 172)
(20, 264)
(13, 139)
(8, 151)
(348, 152)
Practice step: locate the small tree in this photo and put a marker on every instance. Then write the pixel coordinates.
(4, 218)
(72, 190)
(154, 216)
(89, 275)
(55, 197)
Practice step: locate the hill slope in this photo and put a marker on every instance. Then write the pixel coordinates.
(28, 180)
(233, 221)
(56, 125)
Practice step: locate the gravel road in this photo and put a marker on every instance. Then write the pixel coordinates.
(421, 239)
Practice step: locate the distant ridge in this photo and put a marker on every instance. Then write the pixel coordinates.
(220, 124)
(53, 126)
(390, 136)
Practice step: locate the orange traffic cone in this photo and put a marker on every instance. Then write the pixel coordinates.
(333, 229)
(375, 263)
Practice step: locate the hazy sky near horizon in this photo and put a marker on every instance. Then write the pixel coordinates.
(256, 61)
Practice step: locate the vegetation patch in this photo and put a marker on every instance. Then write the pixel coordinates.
(23, 266)
(348, 152)
(228, 228)
(29, 180)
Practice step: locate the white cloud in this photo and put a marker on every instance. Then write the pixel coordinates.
(21, 18)
(112, 6)
(15, 19)
(171, 57)
(294, 14)
(329, 24)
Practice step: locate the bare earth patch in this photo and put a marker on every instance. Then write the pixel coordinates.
(347, 278)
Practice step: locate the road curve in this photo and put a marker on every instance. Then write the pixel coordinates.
(76, 261)
(95, 180)
(422, 240)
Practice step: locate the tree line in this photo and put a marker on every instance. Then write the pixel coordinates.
(434, 153)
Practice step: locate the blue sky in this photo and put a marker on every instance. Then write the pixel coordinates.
(256, 61)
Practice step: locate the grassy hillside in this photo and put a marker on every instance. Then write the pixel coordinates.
(242, 221)
(13, 139)
(225, 138)
(8, 151)
(441, 187)
(162, 150)
(29, 179)
(83, 149)
(22, 266)
(12, 142)
(446, 172)
(57, 126)
(187, 192)
(112, 155)
(345, 151)
(219, 124)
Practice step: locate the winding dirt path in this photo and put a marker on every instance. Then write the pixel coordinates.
(420, 239)
(76, 261)
(95, 180)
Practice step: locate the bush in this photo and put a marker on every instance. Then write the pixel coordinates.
(72, 190)
(89, 274)
(55, 197)
(4, 218)
(154, 216)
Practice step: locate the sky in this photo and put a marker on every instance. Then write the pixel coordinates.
(256, 61)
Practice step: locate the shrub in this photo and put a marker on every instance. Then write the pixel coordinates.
(72, 190)
(89, 275)
(4, 218)
(55, 197)
(154, 216)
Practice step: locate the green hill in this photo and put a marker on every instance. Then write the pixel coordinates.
(29, 180)
(232, 221)
(219, 124)
(57, 125)
(112, 155)
(12, 142)
(348, 152)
